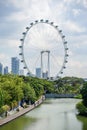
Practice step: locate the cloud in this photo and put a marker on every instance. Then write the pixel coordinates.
(76, 12)
(2, 56)
(82, 2)
(77, 2)
(85, 3)
(70, 15)
(9, 43)
(4, 59)
(73, 27)
(76, 68)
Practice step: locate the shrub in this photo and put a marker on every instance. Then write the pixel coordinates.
(81, 108)
(84, 93)
(1, 111)
(78, 96)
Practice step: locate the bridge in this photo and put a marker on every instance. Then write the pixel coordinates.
(54, 95)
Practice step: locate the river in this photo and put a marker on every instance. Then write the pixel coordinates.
(53, 114)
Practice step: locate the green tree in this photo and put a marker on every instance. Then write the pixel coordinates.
(84, 93)
(1, 98)
(29, 93)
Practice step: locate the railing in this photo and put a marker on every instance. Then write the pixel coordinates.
(21, 112)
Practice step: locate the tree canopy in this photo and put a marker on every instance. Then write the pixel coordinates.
(14, 89)
(84, 93)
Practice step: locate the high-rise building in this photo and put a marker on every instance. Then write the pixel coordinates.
(45, 75)
(38, 72)
(21, 72)
(6, 70)
(15, 65)
(1, 68)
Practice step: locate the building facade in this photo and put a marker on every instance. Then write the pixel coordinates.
(6, 70)
(15, 65)
(38, 72)
(45, 75)
(1, 68)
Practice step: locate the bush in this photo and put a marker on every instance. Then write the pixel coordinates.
(84, 93)
(1, 111)
(5, 108)
(81, 108)
(78, 96)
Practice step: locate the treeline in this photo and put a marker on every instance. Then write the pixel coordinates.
(19, 89)
(71, 85)
(82, 106)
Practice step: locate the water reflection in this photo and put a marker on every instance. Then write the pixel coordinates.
(83, 120)
(53, 114)
(19, 124)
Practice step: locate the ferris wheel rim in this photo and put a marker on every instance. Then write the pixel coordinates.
(63, 66)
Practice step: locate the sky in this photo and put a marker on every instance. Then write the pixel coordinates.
(69, 15)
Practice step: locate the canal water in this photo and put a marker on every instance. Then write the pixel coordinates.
(53, 114)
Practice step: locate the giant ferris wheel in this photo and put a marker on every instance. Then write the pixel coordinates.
(44, 38)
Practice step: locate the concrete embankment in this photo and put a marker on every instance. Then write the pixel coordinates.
(21, 112)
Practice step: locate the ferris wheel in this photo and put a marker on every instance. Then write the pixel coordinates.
(36, 29)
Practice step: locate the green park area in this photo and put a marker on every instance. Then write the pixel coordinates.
(20, 90)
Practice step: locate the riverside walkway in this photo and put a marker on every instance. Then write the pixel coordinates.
(21, 112)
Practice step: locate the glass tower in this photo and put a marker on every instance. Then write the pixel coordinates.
(38, 72)
(1, 68)
(15, 65)
(6, 70)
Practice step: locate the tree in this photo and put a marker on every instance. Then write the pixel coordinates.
(48, 86)
(29, 93)
(1, 98)
(84, 93)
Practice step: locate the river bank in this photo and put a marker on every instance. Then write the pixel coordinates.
(53, 114)
(21, 112)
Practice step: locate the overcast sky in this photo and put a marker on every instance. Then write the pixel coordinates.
(69, 15)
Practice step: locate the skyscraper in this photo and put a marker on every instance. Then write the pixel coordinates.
(45, 75)
(6, 70)
(1, 68)
(15, 65)
(38, 72)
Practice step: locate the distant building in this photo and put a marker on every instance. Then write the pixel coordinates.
(38, 72)
(6, 70)
(15, 65)
(21, 72)
(1, 68)
(45, 75)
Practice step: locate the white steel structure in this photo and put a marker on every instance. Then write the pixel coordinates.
(23, 60)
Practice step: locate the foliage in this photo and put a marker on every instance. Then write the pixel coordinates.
(29, 93)
(20, 89)
(5, 108)
(78, 96)
(71, 85)
(1, 97)
(40, 85)
(15, 89)
(84, 93)
(48, 86)
(1, 111)
(11, 87)
(81, 108)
